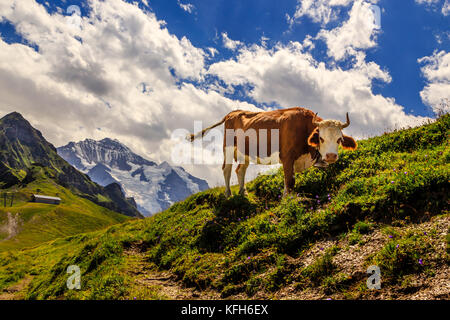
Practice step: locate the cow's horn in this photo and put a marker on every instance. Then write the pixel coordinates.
(316, 123)
(345, 125)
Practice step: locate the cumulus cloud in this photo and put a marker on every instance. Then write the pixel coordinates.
(320, 11)
(358, 32)
(188, 7)
(230, 44)
(436, 5)
(290, 76)
(436, 70)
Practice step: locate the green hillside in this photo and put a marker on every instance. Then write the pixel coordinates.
(385, 204)
(25, 156)
(38, 222)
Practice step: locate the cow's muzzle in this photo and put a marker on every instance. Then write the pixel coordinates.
(331, 157)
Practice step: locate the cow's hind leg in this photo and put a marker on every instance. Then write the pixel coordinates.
(226, 168)
(289, 180)
(240, 172)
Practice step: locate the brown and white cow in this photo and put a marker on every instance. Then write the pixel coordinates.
(301, 135)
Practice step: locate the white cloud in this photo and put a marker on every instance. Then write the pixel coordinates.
(358, 32)
(446, 8)
(435, 5)
(436, 70)
(290, 76)
(230, 44)
(186, 7)
(320, 11)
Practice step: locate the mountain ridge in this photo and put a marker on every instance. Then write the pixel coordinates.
(25, 150)
(154, 186)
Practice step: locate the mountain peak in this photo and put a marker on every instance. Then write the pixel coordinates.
(14, 115)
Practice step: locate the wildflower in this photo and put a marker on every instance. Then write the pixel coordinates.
(392, 181)
(425, 233)
(397, 246)
(312, 208)
(134, 298)
(420, 261)
(390, 236)
(406, 172)
(317, 197)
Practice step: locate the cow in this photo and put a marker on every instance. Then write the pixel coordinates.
(304, 140)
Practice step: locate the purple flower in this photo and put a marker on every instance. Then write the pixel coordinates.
(390, 236)
(321, 249)
(406, 172)
(425, 233)
(134, 298)
(392, 181)
(394, 169)
(248, 258)
(317, 197)
(397, 246)
(420, 261)
(312, 208)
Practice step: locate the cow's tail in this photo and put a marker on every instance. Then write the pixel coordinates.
(191, 137)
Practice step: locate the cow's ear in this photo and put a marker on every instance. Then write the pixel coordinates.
(313, 139)
(349, 143)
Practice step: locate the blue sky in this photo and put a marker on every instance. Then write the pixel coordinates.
(139, 70)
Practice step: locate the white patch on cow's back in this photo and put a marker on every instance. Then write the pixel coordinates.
(303, 162)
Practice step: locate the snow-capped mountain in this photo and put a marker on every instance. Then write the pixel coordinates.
(154, 187)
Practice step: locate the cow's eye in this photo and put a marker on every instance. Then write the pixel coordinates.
(339, 140)
(321, 140)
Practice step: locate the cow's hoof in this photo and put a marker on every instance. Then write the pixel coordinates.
(243, 192)
(227, 193)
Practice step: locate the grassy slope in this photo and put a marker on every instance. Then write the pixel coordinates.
(43, 222)
(259, 244)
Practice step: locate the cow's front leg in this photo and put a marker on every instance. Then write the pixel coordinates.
(289, 180)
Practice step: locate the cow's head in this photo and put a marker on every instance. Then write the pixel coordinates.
(327, 136)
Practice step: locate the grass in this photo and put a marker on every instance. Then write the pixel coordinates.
(40, 222)
(245, 245)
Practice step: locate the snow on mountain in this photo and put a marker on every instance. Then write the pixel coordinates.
(154, 187)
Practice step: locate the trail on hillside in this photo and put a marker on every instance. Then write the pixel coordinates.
(163, 284)
(16, 291)
(11, 227)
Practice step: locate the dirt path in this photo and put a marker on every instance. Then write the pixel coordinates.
(11, 227)
(15, 292)
(159, 285)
